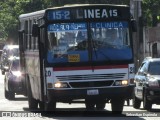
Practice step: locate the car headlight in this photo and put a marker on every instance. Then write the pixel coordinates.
(17, 73)
(153, 83)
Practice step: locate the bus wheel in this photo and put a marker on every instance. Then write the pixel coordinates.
(89, 105)
(50, 106)
(33, 103)
(41, 105)
(117, 105)
(100, 104)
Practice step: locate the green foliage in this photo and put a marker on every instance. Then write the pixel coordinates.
(151, 11)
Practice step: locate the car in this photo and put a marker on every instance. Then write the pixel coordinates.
(14, 81)
(147, 84)
(9, 53)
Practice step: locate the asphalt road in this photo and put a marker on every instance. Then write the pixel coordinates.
(18, 109)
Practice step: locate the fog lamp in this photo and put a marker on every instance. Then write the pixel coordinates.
(117, 83)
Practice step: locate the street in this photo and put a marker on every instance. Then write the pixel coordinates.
(18, 108)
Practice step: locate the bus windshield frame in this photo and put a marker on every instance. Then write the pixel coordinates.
(69, 42)
(88, 37)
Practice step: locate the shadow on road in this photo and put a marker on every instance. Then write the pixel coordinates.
(81, 112)
(19, 99)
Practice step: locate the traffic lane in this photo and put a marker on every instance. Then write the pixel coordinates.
(80, 113)
(78, 110)
(66, 111)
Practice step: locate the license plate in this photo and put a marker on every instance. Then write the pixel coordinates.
(92, 92)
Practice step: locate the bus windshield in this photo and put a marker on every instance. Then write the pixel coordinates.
(69, 42)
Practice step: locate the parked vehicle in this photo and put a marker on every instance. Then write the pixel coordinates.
(9, 53)
(14, 81)
(147, 84)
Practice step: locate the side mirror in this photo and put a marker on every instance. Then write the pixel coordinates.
(145, 73)
(21, 33)
(35, 30)
(134, 25)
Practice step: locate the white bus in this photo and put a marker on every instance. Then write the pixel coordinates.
(69, 55)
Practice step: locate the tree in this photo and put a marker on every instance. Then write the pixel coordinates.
(9, 12)
(151, 11)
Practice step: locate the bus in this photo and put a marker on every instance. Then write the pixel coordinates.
(69, 55)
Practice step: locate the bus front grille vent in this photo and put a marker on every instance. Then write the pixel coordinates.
(91, 77)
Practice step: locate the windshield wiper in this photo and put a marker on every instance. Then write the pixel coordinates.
(94, 47)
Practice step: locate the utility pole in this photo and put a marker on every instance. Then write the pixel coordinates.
(136, 11)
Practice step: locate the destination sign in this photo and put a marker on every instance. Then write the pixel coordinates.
(85, 13)
(82, 26)
(67, 27)
(109, 24)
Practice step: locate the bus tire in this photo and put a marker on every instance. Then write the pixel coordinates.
(89, 105)
(50, 106)
(117, 106)
(33, 103)
(100, 104)
(41, 105)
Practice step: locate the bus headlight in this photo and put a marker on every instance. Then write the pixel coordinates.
(60, 85)
(121, 82)
(124, 82)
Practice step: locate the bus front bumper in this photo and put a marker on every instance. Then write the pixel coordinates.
(105, 93)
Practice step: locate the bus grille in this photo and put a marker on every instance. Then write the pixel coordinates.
(91, 80)
(91, 84)
(92, 77)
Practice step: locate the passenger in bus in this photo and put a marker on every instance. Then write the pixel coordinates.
(81, 35)
(115, 39)
(51, 46)
(81, 40)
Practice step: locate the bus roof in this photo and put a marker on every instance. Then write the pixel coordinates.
(41, 13)
(73, 5)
